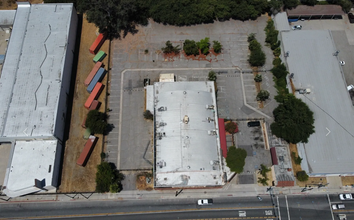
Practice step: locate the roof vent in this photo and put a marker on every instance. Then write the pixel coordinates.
(161, 109)
(186, 119)
(209, 106)
(212, 132)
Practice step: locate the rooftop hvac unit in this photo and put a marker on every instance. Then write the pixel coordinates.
(213, 132)
(161, 109)
(161, 163)
(186, 119)
(209, 106)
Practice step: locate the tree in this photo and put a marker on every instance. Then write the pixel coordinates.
(254, 45)
(293, 120)
(289, 4)
(108, 178)
(212, 76)
(190, 48)
(264, 170)
(251, 37)
(96, 121)
(148, 115)
(262, 95)
(258, 78)
(231, 127)
(346, 5)
(203, 45)
(302, 176)
(257, 58)
(217, 46)
(276, 61)
(236, 159)
(263, 181)
(308, 2)
(115, 16)
(297, 159)
(274, 6)
(279, 71)
(170, 48)
(277, 52)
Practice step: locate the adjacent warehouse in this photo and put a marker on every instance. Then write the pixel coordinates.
(312, 60)
(34, 88)
(186, 135)
(315, 12)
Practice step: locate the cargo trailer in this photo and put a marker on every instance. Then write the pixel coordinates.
(99, 56)
(96, 45)
(93, 72)
(96, 92)
(98, 78)
(86, 152)
(95, 105)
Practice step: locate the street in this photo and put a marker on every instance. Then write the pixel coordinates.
(285, 208)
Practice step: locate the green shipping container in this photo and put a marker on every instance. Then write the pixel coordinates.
(87, 133)
(99, 56)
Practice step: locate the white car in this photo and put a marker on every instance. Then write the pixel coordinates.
(205, 201)
(338, 206)
(347, 196)
(296, 27)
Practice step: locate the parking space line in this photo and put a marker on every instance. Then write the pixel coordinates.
(329, 202)
(287, 206)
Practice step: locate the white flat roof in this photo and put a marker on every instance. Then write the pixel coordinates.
(24, 169)
(186, 154)
(330, 149)
(31, 76)
(7, 17)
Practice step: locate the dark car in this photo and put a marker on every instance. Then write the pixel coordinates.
(253, 124)
(351, 17)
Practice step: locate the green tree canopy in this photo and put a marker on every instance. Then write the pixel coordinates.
(262, 95)
(302, 176)
(203, 45)
(190, 47)
(279, 71)
(293, 120)
(257, 58)
(170, 48)
(217, 46)
(96, 121)
(115, 16)
(236, 159)
(108, 178)
(212, 76)
(289, 4)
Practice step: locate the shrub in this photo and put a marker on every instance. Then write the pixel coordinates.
(236, 159)
(217, 46)
(169, 48)
(279, 71)
(275, 45)
(276, 61)
(190, 47)
(264, 170)
(302, 176)
(251, 37)
(262, 95)
(257, 58)
(148, 115)
(212, 76)
(277, 52)
(204, 45)
(297, 159)
(258, 78)
(96, 121)
(103, 155)
(254, 45)
(263, 181)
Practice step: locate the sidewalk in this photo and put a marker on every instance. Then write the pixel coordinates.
(249, 190)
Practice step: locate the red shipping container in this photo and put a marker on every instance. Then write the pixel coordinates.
(92, 73)
(95, 105)
(95, 47)
(86, 152)
(96, 92)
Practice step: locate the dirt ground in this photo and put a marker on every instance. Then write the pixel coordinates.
(141, 182)
(74, 177)
(270, 178)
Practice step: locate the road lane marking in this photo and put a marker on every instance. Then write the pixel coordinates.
(330, 207)
(279, 215)
(287, 206)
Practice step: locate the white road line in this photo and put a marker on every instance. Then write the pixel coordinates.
(329, 202)
(279, 215)
(287, 206)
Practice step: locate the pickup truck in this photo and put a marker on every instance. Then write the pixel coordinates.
(205, 201)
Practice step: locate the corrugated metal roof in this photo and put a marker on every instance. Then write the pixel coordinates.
(187, 154)
(7, 17)
(315, 10)
(31, 76)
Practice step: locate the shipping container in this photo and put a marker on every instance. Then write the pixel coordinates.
(96, 92)
(92, 73)
(84, 123)
(99, 56)
(86, 152)
(87, 133)
(98, 43)
(98, 78)
(95, 105)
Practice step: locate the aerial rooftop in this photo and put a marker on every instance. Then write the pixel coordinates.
(187, 137)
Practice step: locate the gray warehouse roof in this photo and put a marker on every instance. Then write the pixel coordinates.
(330, 149)
(31, 77)
(187, 137)
(7, 17)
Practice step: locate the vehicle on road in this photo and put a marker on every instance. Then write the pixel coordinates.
(259, 198)
(296, 27)
(346, 196)
(342, 62)
(342, 216)
(338, 206)
(205, 201)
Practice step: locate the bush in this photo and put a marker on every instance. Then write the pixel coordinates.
(263, 181)
(190, 48)
(148, 115)
(258, 78)
(297, 159)
(276, 61)
(277, 52)
(231, 127)
(204, 45)
(264, 170)
(212, 76)
(275, 45)
(257, 58)
(236, 159)
(254, 45)
(262, 95)
(251, 37)
(279, 71)
(302, 176)
(217, 46)
(103, 155)
(96, 121)
(170, 48)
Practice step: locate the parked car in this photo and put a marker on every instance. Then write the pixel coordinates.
(297, 27)
(346, 196)
(253, 124)
(338, 206)
(205, 201)
(350, 87)
(351, 17)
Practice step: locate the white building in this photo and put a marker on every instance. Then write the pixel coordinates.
(34, 88)
(186, 144)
